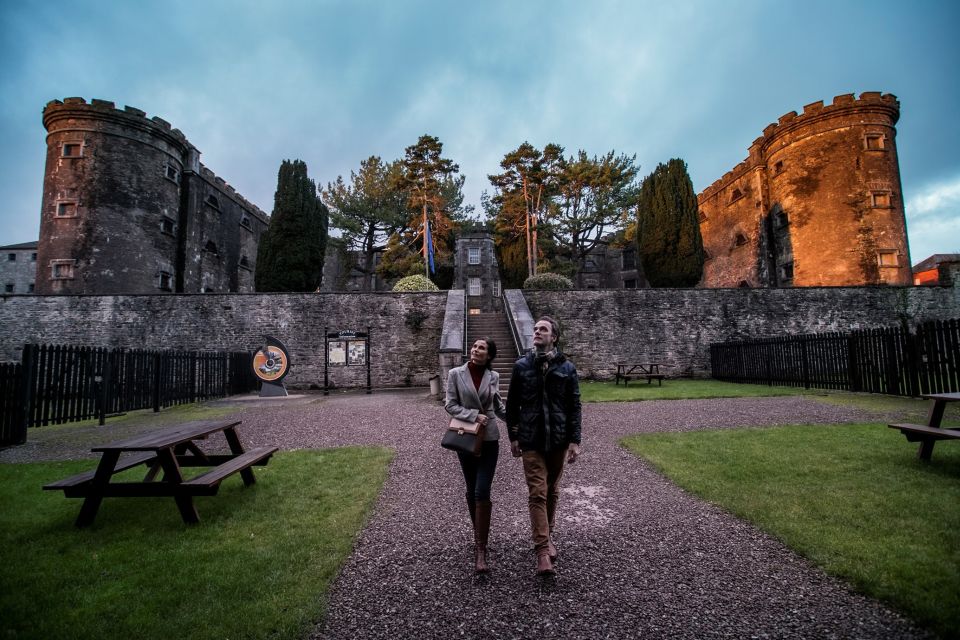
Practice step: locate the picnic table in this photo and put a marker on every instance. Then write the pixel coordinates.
(648, 370)
(928, 434)
(167, 450)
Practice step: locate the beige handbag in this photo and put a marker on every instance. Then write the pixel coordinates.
(463, 436)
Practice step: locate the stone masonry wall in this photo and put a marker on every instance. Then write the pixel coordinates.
(237, 322)
(677, 326)
(672, 326)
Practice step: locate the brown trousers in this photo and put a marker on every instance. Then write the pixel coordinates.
(543, 472)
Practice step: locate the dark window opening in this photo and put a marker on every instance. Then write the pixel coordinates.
(172, 174)
(740, 240)
(11, 257)
(213, 202)
(71, 150)
(8, 288)
(33, 256)
(873, 141)
(629, 259)
(211, 247)
(630, 284)
(736, 195)
(66, 209)
(786, 272)
(244, 262)
(167, 226)
(165, 281)
(245, 222)
(778, 167)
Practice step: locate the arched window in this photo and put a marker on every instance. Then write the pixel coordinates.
(211, 247)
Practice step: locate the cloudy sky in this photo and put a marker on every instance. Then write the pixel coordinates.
(332, 82)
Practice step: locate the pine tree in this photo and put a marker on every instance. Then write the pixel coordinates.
(291, 252)
(668, 227)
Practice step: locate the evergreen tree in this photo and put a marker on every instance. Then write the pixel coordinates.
(368, 210)
(592, 196)
(291, 251)
(529, 174)
(669, 244)
(434, 192)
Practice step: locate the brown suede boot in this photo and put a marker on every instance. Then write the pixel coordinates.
(544, 565)
(481, 533)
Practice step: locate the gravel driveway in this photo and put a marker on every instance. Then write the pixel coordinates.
(639, 557)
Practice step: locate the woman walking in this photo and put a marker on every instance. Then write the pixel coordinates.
(473, 394)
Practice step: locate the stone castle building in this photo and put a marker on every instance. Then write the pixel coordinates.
(18, 267)
(817, 202)
(128, 208)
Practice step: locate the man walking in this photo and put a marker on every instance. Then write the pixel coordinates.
(543, 423)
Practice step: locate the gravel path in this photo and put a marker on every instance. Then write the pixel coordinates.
(639, 558)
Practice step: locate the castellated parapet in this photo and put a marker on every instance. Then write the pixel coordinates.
(818, 201)
(128, 208)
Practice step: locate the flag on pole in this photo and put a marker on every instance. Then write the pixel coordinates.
(429, 242)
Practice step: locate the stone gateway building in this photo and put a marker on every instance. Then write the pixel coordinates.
(817, 202)
(128, 208)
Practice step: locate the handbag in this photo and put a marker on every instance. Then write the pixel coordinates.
(463, 436)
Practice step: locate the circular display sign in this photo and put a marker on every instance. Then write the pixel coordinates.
(271, 362)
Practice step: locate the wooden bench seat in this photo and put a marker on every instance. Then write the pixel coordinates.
(209, 483)
(83, 478)
(649, 377)
(918, 432)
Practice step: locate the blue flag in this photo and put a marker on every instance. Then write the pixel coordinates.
(429, 242)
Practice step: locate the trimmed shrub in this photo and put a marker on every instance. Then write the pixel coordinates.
(547, 281)
(415, 283)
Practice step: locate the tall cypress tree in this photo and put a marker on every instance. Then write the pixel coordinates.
(668, 227)
(291, 252)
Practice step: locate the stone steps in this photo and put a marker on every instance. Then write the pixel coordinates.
(495, 327)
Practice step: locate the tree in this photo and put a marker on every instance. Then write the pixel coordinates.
(669, 244)
(291, 250)
(592, 196)
(432, 189)
(532, 175)
(368, 210)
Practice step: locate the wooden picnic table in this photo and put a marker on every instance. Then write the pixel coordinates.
(928, 434)
(648, 370)
(167, 450)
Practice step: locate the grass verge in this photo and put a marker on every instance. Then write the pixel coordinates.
(852, 498)
(258, 565)
(678, 389)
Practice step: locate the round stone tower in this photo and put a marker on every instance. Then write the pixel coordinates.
(111, 199)
(818, 202)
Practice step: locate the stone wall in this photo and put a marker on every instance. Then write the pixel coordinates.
(672, 326)
(677, 326)
(401, 354)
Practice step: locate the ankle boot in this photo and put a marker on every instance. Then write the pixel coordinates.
(551, 549)
(481, 535)
(544, 565)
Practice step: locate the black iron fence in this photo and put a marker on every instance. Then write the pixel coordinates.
(54, 384)
(891, 360)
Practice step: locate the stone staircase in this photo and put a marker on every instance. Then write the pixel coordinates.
(495, 327)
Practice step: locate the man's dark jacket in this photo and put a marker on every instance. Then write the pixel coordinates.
(551, 399)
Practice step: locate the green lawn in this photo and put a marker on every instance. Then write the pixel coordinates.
(677, 389)
(258, 565)
(853, 498)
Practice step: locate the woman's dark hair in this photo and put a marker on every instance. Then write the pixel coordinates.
(554, 327)
(491, 350)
